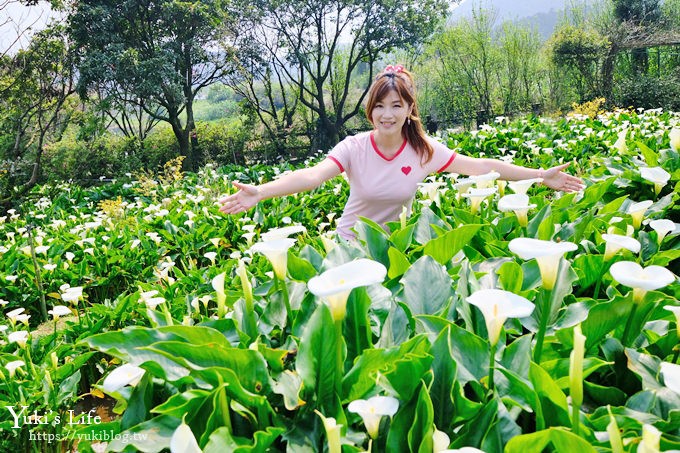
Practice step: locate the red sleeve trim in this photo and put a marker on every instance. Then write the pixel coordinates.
(336, 163)
(453, 156)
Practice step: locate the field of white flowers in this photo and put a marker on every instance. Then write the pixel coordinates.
(499, 316)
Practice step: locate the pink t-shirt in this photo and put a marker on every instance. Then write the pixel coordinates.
(380, 186)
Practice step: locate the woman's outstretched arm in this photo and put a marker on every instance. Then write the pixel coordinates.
(298, 181)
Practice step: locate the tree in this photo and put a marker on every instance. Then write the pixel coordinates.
(640, 13)
(37, 84)
(324, 53)
(162, 53)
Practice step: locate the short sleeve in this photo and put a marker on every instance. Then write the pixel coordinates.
(341, 153)
(441, 158)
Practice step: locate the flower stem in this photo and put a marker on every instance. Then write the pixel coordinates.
(629, 322)
(544, 301)
(281, 286)
(38, 279)
(576, 418)
(492, 365)
(339, 361)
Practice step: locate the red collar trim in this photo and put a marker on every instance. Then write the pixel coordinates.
(375, 148)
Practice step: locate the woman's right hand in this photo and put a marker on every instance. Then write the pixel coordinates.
(247, 197)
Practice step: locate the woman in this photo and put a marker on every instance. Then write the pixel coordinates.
(384, 166)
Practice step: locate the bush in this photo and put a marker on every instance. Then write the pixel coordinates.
(649, 92)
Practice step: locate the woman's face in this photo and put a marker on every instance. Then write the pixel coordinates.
(390, 113)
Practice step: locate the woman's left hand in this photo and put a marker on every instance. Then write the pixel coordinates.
(556, 179)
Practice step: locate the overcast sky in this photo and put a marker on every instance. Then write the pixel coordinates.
(15, 18)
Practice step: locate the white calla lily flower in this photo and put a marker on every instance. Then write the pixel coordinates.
(656, 175)
(641, 279)
(432, 190)
(126, 374)
(620, 143)
(276, 252)
(497, 306)
(637, 211)
(486, 180)
(59, 310)
(183, 440)
(523, 185)
(476, 197)
(333, 434)
(651, 440)
(519, 204)
(616, 242)
(662, 228)
(547, 254)
(13, 366)
(335, 284)
(372, 410)
(463, 185)
(674, 136)
(671, 375)
(440, 441)
(281, 233)
(19, 337)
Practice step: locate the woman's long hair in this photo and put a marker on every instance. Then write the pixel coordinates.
(400, 80)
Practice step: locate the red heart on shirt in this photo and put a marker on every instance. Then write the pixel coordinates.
(406, 170)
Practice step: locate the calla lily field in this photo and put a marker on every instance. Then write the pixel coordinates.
(491, 317)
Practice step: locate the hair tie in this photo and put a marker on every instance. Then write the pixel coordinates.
(396, 68)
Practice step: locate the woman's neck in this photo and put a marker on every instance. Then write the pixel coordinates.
(388, 144)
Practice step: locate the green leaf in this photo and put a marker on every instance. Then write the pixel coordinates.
(299, 268)
(316, 361)
(420, 433)
(445, 247)
(510, 276)
(562, 441)
(399, 263)
(357, 327)
(444, 378)
(402, 238)
(553, 402)
(651, 157)
(151, 436)
(427, 287)
(375, 238)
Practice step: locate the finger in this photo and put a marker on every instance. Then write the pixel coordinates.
(239, 186)
(562, 167)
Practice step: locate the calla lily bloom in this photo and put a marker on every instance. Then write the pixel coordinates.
(519, 204)
(335, 284)
(218, 286)
(126, 374)
(486, 180)
(183, 440)
(282, 233)
(671, 376)
(674, 136)
(440, 441)
(641, 279)
(637, 211)
(431, 190)
(523, 185)
(576, 375)
(616, 242)
(19, 337)
(332, 433)
(662, 228)
(372, 410)
(497, 306)
(676, 311)
(651, 440)
(614, 433)
(476, 197)
(13, 366)
(463, 185)
(276, 252)
(620, 143)
(656, 175)
(59, 310)
(547, 254)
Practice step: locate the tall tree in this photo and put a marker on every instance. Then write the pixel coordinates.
(36, 86)
(641, 13)
(161, 52)
(302, 40)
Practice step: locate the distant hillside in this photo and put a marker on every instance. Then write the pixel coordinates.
(543, 14)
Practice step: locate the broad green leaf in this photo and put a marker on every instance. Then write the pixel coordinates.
(510, 276)
(316, 361)
(420, 432)
(356, 327)
(375, 238)
(151, 436)
(399, 263)
(300, 268)
(445, 247)
(427, 287)
(554, 410)
(444, 378)
(561, 440)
